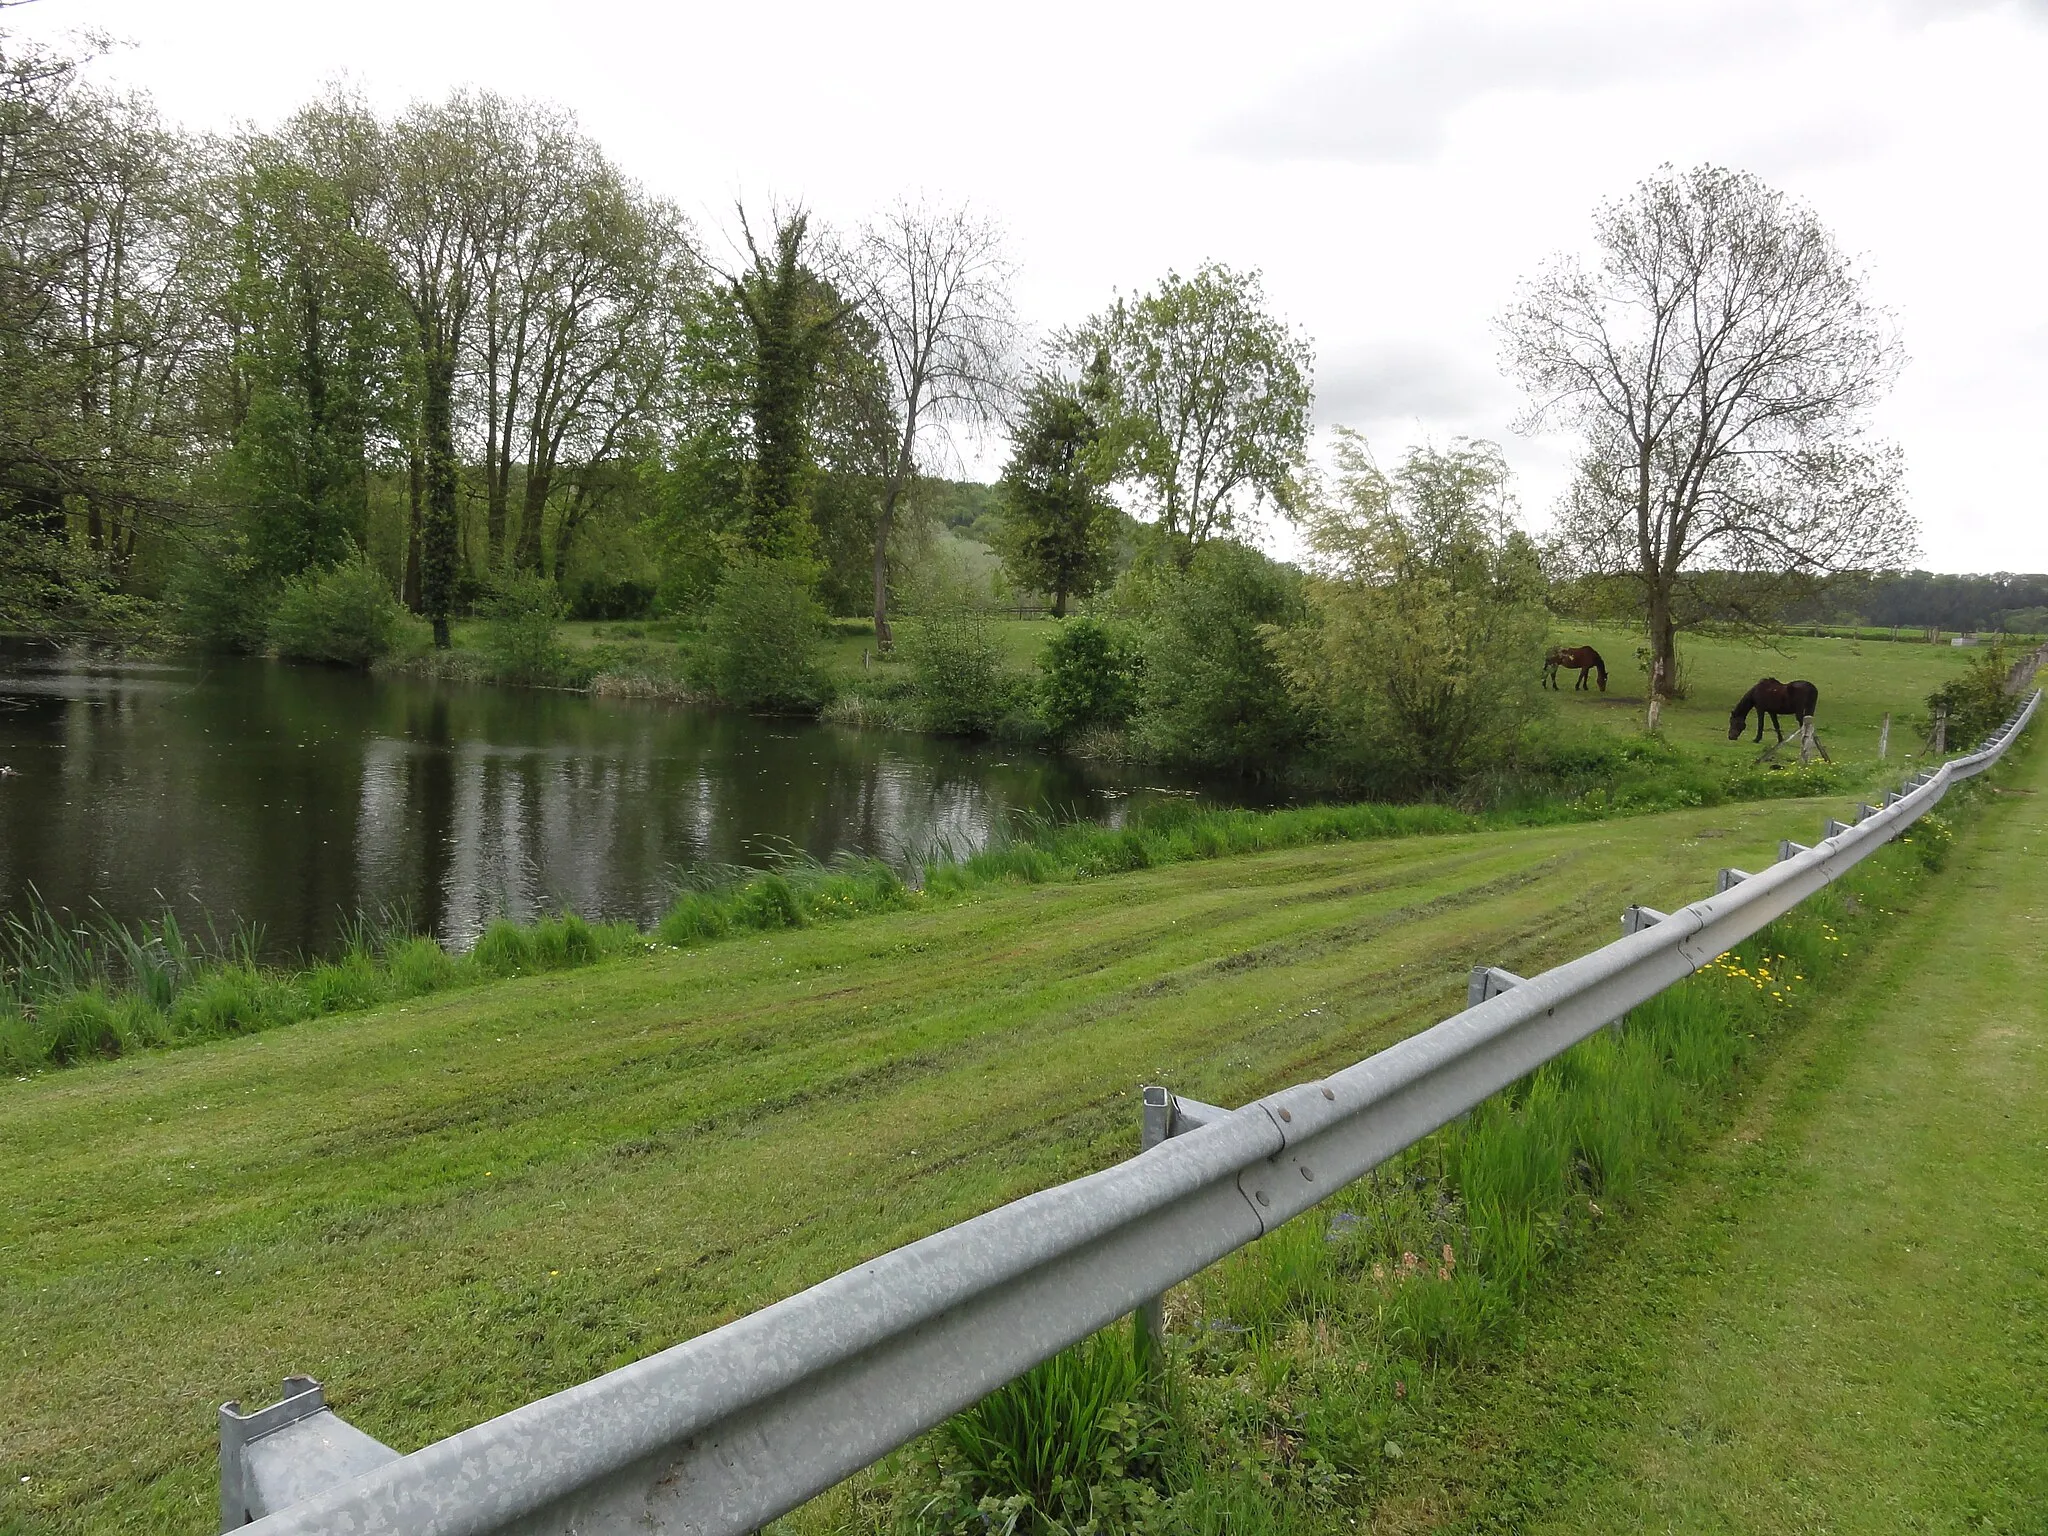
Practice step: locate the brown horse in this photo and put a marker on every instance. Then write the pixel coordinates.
(1773, 698)
(1583, 657)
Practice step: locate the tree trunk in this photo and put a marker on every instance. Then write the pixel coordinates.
(416, 475)
(438, 531)
(526, 557)
(1059, 602)
(1663, 641)
(885, 638)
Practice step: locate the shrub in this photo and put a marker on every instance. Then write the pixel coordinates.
(1975, 703)
(519, 644)
(344, 614)
(956, 673)
(1213, 694)
(762, 634)
(1430, 612)
(1087, 677)
(220, 599)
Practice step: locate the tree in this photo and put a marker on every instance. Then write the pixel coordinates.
(1211, 400)
(1059, 530)
(430, 235)
(1717, 360)
(1428, 605)
(934, 284)
(578, 279)
(791, 314)
(319, 337)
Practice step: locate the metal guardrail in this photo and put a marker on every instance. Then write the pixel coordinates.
(718, 1435)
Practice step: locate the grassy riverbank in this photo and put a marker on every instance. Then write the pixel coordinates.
(450, 1205)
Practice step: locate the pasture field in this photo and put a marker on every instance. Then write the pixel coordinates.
(1838, 1319)
(1859, 681)
(449, 1207)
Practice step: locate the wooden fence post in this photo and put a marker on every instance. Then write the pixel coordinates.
(1884, 737)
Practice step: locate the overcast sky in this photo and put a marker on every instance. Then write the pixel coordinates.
(1393, 169)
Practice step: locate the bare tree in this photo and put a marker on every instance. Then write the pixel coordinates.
(1717, 358)
(935, 285)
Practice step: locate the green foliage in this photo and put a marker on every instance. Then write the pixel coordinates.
(1213, 694)
(217, 598)
(956, 673)
(763, 634)
(1208, 400)
(1975, 703)
(1058, 531)
(1418, 663)
(1070, 1446)
(345, 614)
(519, 640)
(1088, 676)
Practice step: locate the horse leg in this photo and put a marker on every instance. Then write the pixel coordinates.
(1777, 727)
(1580, 685)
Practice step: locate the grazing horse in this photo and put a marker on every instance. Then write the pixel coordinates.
(1773, 698)
(1584, 657)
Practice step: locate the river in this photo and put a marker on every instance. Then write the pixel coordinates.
(287, 797)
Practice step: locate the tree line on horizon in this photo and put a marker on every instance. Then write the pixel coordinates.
(455, 357)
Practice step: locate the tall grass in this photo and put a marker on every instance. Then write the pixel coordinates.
(75, 989)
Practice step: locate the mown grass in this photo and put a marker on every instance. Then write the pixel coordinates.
(1300, 1368)
(449, 1205)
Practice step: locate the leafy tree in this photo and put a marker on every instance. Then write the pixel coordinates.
(1718, 360)
(429, 228)
(1059, 529)
(1210, 400)
(1427, 612)
(319, 337)
(1213, 694)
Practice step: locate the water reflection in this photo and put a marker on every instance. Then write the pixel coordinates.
(287, 796)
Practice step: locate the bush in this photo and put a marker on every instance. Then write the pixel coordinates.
(1975, 703)
(956, 673)
(220, 600)
(344, 614)
(762, 634)
(1087, 677)
(1212, 694)
(519, 644)
(608, 597)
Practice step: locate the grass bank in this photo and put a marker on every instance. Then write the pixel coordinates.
(1343, 1371)
(76, 990)
(450, 1205)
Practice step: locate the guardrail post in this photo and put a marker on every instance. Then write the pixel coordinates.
(273, 1457)
(1729, 878)
(1787, 849)
(1148, 1323)
(1488, 981)
(1635, 919)
(1832, 828)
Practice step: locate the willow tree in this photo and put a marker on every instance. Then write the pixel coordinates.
(1717, 358)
